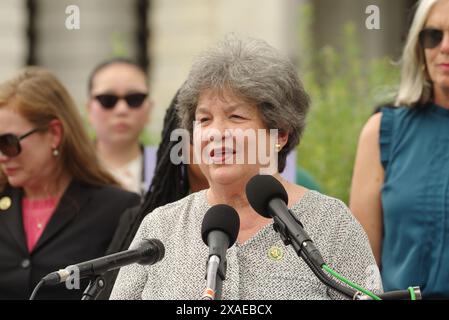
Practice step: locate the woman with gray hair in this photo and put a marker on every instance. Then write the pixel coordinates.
(400, 184)
(235, 89)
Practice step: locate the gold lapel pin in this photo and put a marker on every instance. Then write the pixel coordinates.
(5, 203)
(275, 253)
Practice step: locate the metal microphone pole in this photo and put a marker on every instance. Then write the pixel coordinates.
(95, 287)
(214, 282)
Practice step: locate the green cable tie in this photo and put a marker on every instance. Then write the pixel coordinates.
(412, 293)
(349, 283)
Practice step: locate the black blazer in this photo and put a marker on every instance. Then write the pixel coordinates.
(80, 229)
(124, 234)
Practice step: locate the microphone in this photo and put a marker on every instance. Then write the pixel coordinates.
(147, 253)
(219, 231)
(268, 198)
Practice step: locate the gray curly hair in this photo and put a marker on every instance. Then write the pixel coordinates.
(255, 72)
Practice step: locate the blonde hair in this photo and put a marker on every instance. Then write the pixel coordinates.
(415, 87)
(40, 98)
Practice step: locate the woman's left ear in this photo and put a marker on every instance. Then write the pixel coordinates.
(55, 128)
(282, 138)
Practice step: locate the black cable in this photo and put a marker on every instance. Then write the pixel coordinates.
(36, 289)
(400, 295)
(346, 291)
(312, 258)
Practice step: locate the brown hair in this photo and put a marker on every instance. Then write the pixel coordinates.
(40, 98)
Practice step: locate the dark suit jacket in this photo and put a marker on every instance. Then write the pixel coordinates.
(80, 229)
(126, 230)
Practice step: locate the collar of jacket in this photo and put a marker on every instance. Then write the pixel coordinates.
(71, 203)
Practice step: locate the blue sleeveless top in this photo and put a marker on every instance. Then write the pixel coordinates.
(414, 146)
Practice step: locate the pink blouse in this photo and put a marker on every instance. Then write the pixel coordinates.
(36, 214)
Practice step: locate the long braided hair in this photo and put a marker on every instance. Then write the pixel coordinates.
(170, 182)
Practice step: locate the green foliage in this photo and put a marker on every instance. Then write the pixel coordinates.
(119, 48)
(344, 90)
(149, 139)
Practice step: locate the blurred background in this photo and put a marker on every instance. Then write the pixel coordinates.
(347, 68)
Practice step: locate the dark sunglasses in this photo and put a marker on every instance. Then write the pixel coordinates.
(109, 101)
(10, 143)
(430, 38)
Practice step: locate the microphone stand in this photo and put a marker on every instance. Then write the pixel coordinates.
(306, 249)
(308, 252)
(95, 287)
(215, 275)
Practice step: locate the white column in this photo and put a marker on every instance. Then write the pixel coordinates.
(13, 42)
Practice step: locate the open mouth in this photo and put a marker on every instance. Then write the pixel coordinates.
(10, 171)
(220, 155)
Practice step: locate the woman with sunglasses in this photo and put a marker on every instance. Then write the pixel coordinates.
(119, 109)
(400, 185)
(58, 206)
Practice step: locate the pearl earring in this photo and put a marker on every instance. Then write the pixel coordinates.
(55, 152)
(278, 147)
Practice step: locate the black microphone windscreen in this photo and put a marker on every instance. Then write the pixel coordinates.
(151, 251)
(224, 218)
(261, 189)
